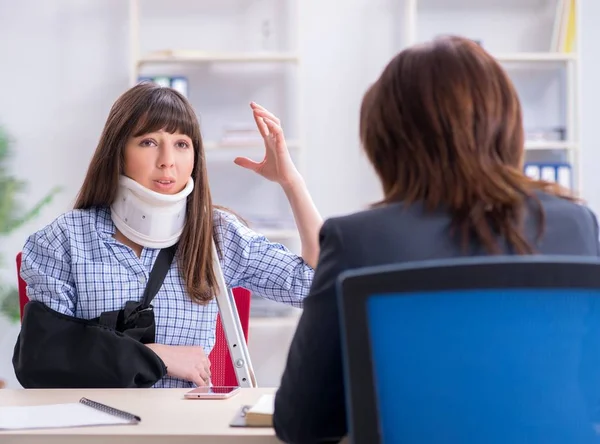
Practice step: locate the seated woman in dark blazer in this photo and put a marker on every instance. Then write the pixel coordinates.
(443, 128)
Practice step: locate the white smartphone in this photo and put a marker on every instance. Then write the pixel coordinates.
(212, 392)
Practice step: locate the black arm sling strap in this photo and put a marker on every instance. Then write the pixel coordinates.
(136, 319)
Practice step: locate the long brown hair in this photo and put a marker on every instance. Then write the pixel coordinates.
(443, 126)
(142, 109)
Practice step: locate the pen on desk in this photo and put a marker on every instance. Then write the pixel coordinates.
(110, 410)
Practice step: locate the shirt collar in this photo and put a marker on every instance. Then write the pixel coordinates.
(104, 224)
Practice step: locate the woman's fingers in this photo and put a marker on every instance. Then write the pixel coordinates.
(197, 379)
(204, 376)
(274, 128)
(247, 163)
(260, 123)
(262, 112)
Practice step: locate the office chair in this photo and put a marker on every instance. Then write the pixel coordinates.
(480, 350)
(222, 371)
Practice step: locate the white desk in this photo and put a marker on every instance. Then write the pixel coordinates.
(166, 418)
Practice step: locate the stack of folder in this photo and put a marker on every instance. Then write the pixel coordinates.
(558, 172)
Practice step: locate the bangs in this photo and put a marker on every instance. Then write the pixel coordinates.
(165, 110)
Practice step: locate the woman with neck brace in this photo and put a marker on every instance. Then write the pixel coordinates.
(147, 189)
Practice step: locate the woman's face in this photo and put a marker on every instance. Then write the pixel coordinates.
(160, 161)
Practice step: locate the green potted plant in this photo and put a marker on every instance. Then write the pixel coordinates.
(13, 216)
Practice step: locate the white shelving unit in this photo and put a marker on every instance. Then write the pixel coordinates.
(210, 145)
(518, 34)
(533, 145)
(216, 57)
(222, 49)
(534, 57)
(216, 64)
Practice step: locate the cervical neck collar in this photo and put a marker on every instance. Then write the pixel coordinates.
(148, 218)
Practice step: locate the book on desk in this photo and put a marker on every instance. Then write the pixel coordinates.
(260, 414)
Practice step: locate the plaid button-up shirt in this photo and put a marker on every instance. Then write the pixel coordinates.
(76, 267)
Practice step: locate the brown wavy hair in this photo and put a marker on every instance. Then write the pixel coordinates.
(142, 109)
(443, 126)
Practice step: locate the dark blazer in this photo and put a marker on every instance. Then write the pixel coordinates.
(309, 405)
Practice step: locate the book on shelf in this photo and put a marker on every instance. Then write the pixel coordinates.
(241, 135)
(558, 172)
(178, 83)
(565, 27)
(545, 134)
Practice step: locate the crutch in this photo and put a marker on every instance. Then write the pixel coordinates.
(232, 327)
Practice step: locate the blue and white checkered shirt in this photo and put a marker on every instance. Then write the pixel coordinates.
(76, 267)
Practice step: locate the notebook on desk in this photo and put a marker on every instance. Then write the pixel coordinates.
(260, 414)
(77, 414)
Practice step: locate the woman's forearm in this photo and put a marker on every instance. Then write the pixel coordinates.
(308, 220)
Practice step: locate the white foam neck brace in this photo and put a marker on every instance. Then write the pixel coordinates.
(148, 218)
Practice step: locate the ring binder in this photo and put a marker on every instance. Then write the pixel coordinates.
(110, 410)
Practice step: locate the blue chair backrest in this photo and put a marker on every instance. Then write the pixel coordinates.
(482, 365)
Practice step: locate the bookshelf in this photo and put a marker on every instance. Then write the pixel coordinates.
(531, 39)
(228, 53)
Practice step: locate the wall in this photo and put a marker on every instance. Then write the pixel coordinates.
(61, 66)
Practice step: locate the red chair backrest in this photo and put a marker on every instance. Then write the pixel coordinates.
(221, 365)
(222, 372)
(22, 286)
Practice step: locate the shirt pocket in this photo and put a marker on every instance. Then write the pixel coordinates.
(103, 287)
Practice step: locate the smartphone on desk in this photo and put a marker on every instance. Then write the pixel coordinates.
(212, 392)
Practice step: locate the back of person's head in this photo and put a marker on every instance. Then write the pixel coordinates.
(443, 126)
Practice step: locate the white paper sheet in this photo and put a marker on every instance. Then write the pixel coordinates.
(55, 416)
